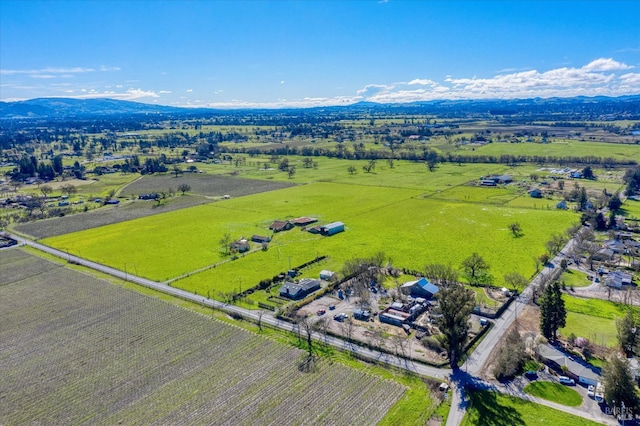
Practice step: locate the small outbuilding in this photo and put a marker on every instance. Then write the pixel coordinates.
(327, 275)
(535, 193)
(281, 225)
(332, 228)
(260, 239)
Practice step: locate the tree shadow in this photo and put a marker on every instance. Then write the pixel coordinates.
(479, 398)
(488, 411)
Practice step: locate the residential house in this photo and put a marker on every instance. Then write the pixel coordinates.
(565, 363)
(240, 246)
(299, 290)
(618, 279)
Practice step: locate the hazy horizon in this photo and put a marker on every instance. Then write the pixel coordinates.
(269, 54)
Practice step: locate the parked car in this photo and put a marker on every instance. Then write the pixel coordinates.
(531, 375)
(566, 381)
(591, 391)
(321, 312)
(340, 317)
(332, 307)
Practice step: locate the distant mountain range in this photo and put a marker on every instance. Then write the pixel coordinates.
(63, 108)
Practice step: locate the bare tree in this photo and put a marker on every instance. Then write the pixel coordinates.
(46, 190)
(184, 188)
(68, 189)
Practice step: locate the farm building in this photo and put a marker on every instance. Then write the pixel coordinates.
(535, 193)
(327, 275)
(304, 221)
(562, 362)
(240, 246)
(315, 229)
(332, 228)
(394, 317)
(260, 239)
(501, 179)
(419, 288)
(617, 279)
(281, 225)
(304, 287)
(488, 182)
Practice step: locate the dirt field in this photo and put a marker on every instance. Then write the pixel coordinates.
(79, 350)
(202, 184)
(106, 216)
(203, 188)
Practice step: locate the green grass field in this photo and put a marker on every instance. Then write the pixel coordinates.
(555, 392)
(558, 148)
(593, 319)
(396, 221)
(574, 278)
(494, 409)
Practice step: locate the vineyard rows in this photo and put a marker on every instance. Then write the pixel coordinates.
(76, 350)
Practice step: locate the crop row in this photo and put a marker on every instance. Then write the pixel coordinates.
(79, 350)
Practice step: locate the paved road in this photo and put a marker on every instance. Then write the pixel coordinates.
(475, 363)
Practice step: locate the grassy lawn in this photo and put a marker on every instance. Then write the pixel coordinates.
(574, 278)
(601, 331)
(555, 392)
(595, 307)
(494, 409)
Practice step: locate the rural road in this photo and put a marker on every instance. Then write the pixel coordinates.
(465, 376)
(267, 318)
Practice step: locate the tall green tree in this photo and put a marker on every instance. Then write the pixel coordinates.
(628, 330)
(475, 268)
(619, 390)
(456, 304)
(553, 314)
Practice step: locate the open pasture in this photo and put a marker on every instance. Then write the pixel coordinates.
(79, 350)
(202, 184)
(557, 148)
(412, 231)
(593, 319)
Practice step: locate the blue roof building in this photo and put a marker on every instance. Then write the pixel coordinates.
(332, 228)
(420, 288)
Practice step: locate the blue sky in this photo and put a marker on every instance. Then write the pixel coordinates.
(308, 53)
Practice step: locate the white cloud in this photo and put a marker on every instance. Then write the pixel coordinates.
(164, 92)
(599, 77)
(603, 64)
(189, 90)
